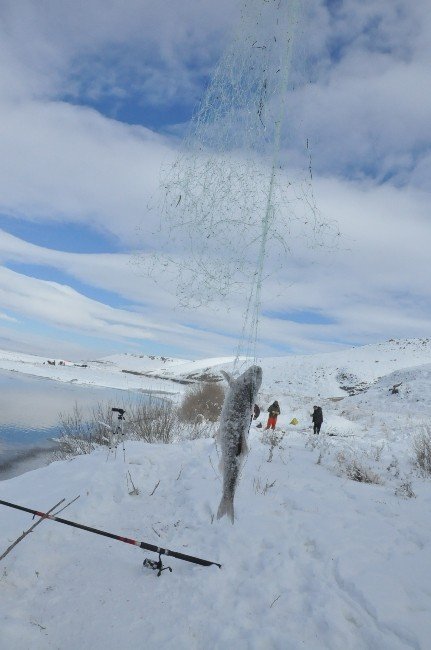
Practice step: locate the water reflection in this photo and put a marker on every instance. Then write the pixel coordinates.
(15, 460)
(33, 403)
(29, 416)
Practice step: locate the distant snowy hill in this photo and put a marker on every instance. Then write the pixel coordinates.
(333, 374)
(142, 362)
(340, 373)
(324, 375)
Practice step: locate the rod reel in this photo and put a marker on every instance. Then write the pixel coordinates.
(156, 565)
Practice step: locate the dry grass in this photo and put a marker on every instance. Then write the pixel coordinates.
(203, 401)
(422, 451)
(151, 422)
(356, 471)
(259, 488)
(405, 490)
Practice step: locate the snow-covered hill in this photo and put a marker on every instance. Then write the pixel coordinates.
(323, 375)
(331, 547)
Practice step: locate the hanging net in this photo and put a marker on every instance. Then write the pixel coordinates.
(230, 197)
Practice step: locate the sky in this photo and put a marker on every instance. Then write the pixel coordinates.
(95, 98)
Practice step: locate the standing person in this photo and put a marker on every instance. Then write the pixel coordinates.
(274, 412)
(317, 417)
(255, 414)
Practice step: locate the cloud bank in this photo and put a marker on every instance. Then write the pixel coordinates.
(80, 84)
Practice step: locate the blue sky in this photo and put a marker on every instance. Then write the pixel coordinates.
(94, 100)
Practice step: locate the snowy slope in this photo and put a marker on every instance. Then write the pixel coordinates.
(331, 374)
(314, 560)
(322, 375)
(124, 372)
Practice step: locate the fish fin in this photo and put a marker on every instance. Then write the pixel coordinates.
(226, 508)
(227, 376)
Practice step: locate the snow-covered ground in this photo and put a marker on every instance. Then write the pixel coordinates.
(314, 559)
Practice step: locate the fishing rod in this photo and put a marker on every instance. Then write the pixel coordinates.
(31, 529)
(155, 565)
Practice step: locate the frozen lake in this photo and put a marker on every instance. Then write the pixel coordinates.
(29, 416)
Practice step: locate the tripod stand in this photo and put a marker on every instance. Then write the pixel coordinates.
(114, 434)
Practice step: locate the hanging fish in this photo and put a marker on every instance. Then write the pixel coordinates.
(235, 422)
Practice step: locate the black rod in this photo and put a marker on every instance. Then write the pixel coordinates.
(126, 540)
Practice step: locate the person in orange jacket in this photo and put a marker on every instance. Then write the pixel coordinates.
(274, 412)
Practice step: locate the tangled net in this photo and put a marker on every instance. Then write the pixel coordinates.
(229, 196)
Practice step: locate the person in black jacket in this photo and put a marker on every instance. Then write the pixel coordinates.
(317, 417)
(255, 414)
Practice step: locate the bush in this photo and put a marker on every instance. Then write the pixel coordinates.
(154, 422)
(353, 469)
(196, 430)
(422, 451)
(79, 434)
(202, 401)
(273, 439)
(405, 490)
(259, 488)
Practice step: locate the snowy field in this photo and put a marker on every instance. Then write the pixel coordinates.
(314, 560)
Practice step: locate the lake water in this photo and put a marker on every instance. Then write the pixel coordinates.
(29, 416)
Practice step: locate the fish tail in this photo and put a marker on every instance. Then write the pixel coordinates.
(226, 508)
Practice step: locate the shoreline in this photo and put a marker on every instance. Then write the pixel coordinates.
(21, 455)
(25, 461)
(112, 381)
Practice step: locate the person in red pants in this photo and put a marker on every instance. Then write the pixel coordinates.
(274, 412)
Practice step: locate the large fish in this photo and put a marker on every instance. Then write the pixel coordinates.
(235, 422)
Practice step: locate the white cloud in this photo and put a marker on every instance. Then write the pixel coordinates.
(372, 287)
(7, 318)
(366, 109)
(30, 342)
(366, 113)
(61, 306)
(48, 45)
(373, 126)
(67, 163)
(58, 305)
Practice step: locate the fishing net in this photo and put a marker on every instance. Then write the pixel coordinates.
(230, 195)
